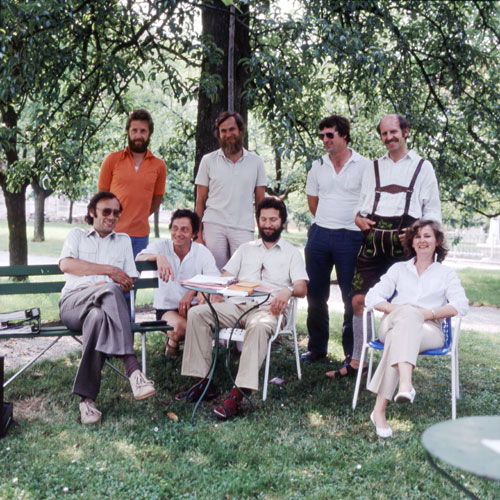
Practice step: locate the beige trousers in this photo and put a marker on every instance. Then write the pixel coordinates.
(405, 334)
(260, 324)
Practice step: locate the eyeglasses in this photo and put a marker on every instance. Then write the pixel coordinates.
(330, 135)
(108, 211)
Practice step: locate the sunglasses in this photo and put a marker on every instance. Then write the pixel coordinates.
(108, 211)
(330, 135)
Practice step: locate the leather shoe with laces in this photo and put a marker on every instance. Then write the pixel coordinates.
(193, 394)
(89, 414)
(142, 388)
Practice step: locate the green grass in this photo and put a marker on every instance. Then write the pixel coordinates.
(304, 442)
(482, 286)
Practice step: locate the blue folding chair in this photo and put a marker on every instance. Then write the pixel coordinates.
(450, 348)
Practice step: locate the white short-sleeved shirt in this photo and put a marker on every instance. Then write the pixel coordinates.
(435, 287)
(279, 266)
(231, 188)
(114, 249)
(199, 260)
(338, 193)
(425, 198)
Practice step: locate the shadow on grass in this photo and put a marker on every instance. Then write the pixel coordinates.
(303, 442)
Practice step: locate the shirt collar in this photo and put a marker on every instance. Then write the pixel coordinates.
(279, 243)
(221, 153)
(409, 154)
(126, 152)
(92, 232)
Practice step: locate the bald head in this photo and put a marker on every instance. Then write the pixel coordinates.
(393, 130)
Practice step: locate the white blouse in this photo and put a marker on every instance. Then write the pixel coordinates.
(437, 286)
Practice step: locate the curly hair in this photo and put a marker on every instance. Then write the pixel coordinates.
(273, 202)
(340, 123)
(192, 216)
(412, 231)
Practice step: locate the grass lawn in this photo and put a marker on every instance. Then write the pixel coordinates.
(304, 442)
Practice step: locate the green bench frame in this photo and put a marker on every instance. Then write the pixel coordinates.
(47, 287)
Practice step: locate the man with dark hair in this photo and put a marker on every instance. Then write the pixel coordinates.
(177, 259)
(99, 266)
(333, 188)
(137, 177)
(270, 261)
(227, 182)
(400, 188)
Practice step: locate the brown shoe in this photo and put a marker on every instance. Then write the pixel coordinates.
(89, 414)
(172, 349)
(229, 408)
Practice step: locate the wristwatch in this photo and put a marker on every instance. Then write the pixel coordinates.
(291, 289)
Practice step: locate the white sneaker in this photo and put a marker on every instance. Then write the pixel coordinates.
(141, 386)
(89, 414)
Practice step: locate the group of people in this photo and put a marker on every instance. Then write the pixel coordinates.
(369, 218)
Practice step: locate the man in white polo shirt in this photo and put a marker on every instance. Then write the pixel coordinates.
(227, 182)
(333, 188)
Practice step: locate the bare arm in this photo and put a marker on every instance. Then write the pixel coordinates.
(312, 201)
(155, 203)
(165, 271)
(260, 192)
(442, 312)
(280, 300)
(201, 205)
(81, 267)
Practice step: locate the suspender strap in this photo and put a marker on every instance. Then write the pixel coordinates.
(409, 191)
(377, 187)
(394, 188)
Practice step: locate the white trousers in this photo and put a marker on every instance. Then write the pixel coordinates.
(405, 334)
(260, 324)
(223, 241)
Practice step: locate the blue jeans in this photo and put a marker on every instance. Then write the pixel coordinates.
(139, 243)
(326, 248)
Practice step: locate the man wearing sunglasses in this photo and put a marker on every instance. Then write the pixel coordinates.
(333, 188)
(137, 177)
(99, 267)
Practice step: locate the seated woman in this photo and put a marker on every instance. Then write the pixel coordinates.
(423, 292)
(177, 259)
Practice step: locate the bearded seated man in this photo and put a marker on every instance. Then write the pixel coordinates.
(271, 261)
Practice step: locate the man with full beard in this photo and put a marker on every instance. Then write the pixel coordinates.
(137, 178)
(270, 261)
(226, 183)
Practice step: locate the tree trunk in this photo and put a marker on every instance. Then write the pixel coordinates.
(215, 24)
(14, 202)
(39, 223)
(157, 223)
(16, 220)
(70, 212)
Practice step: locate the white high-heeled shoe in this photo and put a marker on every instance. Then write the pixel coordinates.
(383, 432)
(405, 397)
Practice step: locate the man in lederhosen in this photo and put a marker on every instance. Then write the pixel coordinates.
(401, 188)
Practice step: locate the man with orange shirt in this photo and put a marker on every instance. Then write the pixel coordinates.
(137, 178)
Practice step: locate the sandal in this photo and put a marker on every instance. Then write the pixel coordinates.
(228, 409)
(350, 372)
(172, 351)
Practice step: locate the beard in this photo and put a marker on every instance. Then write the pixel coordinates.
(138, 146)
(232, 145)
(271, 237)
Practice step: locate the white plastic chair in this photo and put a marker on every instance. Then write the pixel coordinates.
(238, 335)
(450, 348)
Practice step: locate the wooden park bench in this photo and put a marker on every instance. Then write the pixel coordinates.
(11, 287)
